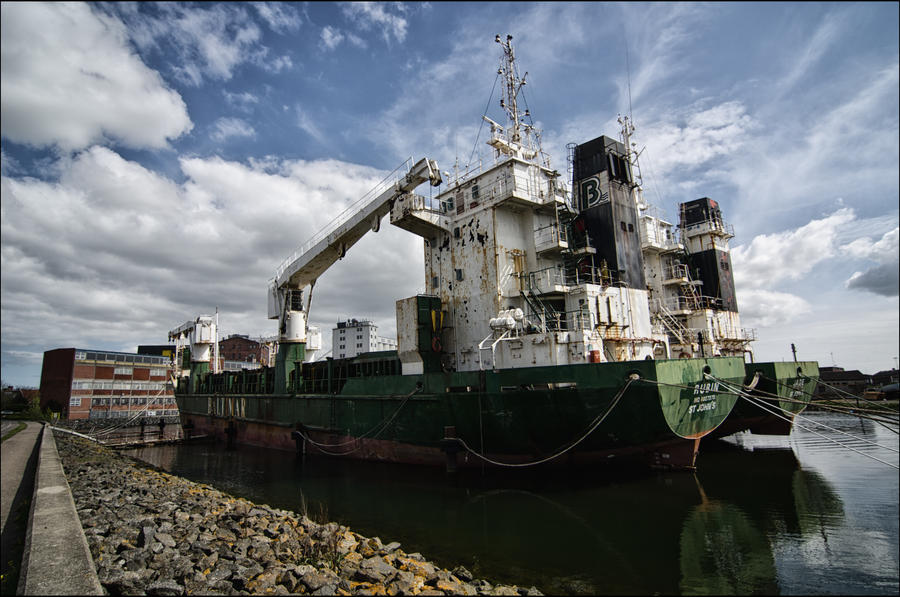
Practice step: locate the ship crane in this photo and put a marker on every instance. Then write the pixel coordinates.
(331, 243)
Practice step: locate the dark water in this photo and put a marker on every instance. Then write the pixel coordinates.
(762, 515)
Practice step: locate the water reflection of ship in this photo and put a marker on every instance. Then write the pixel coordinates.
(665, 533)
(722, 552)
(771, 487)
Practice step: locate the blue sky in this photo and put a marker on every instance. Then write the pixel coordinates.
(161, 160)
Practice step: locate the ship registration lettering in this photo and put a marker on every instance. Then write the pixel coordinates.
(705, 395)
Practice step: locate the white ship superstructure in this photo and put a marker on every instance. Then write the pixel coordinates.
(688, 272)
(518, 289)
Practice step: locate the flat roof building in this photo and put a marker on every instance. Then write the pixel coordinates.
(356, 336)
(101, 384)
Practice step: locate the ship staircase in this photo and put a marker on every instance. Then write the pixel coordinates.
(550, 318)
(673, 326)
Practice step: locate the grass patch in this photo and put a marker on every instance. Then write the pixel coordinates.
(18, 428)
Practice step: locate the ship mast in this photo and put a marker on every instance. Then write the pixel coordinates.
(510, 102)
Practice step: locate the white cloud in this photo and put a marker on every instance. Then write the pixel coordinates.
(245, 101)
(884, 250)
(307, 124)
(771, 258)
(133, 253)
(209, 41)
(276, 65)
(281, 17)
(767, 308)
(331, 37)
(224, 128)
(706, 135)
(810, 52)
(884, 278)
(847, 150)
(369, 15)
(69, 79)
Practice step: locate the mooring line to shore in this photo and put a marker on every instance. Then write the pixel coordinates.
(880, 407)
(383, 424)
(871, 414)
(762, 404)
(594, 424)
(766, 407)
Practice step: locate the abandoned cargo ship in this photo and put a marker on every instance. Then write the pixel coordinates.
(556, 328)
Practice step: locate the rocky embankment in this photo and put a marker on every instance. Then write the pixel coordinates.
(153, 533)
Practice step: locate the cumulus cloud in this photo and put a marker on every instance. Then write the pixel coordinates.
(70, 80)
(767, 308)
(133, 253)
(884, 278)
(771, 258)
(884, 250)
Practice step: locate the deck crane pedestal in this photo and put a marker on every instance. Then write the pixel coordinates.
(201, 334)
(285, 296)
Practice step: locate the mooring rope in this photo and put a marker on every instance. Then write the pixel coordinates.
(596, 423)
(838, 409)
(759, 402)
(64, 430)
(383, 424)
(884, 408)
(877, 416)
(766, 407)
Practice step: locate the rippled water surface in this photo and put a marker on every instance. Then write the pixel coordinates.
(762, 514)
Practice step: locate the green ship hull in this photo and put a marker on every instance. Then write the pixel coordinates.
(649, 411)
(782, 391)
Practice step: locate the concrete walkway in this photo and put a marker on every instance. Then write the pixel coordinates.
(56, 559)
(13, 461)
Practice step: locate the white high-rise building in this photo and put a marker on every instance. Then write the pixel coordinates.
(356, 336)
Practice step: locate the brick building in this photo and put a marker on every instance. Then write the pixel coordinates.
(94, 384)
(239, 347)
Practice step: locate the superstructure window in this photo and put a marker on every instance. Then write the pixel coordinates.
(618, 168)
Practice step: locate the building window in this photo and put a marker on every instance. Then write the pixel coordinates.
(123, 370)
(74, 401)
